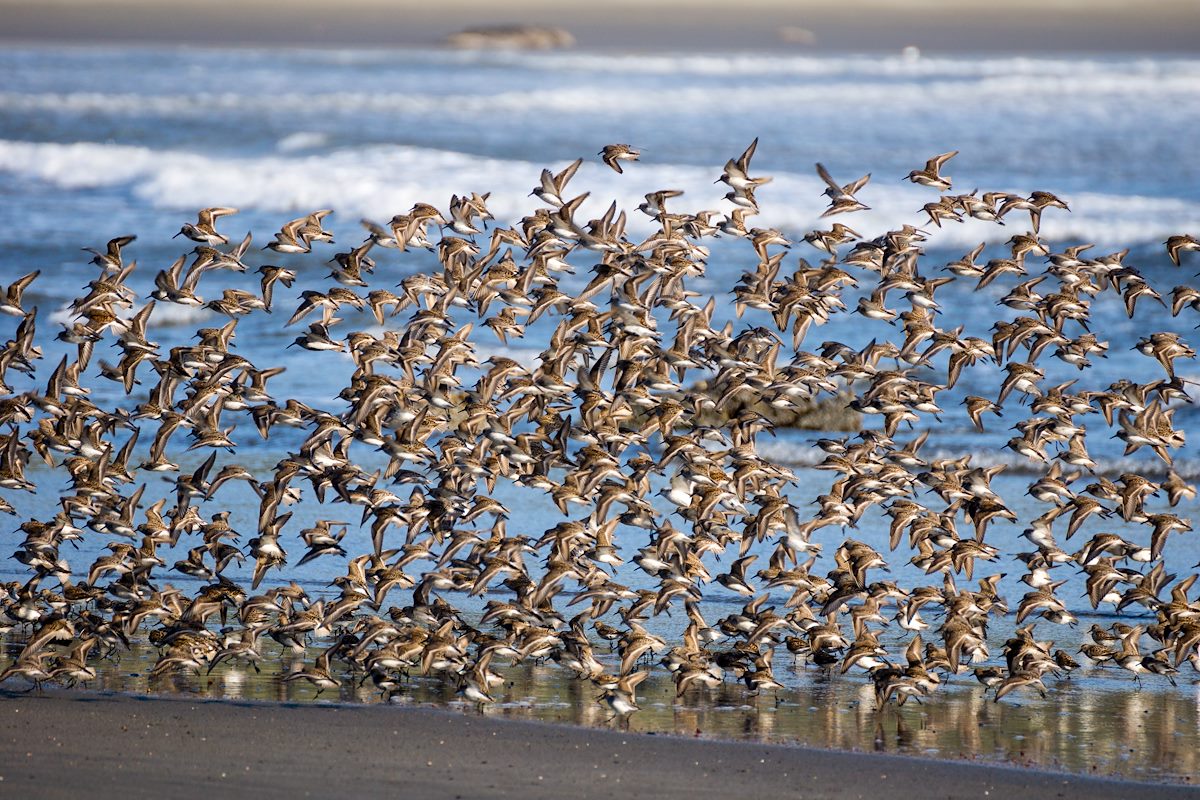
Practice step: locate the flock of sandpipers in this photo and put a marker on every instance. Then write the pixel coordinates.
(610, 411)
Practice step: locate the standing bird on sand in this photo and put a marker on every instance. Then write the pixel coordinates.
(622, 698)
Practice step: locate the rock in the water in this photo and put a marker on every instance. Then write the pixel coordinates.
(511, 37)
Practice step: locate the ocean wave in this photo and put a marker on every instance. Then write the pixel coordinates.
(794, 453)
(301, 140)
(833, 66)
(1109, 466)
(165, 315)
(711, 64)
(379, 181)
(528, 357)
(1089, 90)
(782, 64)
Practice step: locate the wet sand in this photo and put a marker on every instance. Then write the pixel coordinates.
(1094, 725)
(78, 744)
(1025, 26)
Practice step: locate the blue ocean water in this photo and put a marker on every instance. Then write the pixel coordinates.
(147, 135)
(101, 142)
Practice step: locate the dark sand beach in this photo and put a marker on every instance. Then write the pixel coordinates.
(73, 744)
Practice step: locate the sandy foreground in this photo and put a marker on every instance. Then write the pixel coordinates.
(1048, 27)
(74, 744)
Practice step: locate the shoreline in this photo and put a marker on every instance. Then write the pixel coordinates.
(69, 742)
(705, 26)
(677, 50)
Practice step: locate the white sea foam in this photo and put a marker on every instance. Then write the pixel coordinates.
(1188, 468)
(677, 83)
(172, 314)
(835, 66)
(301, 140)
(801, 453)
(380, 181)
(757, 65)
(528, 357)
(1093, 92)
